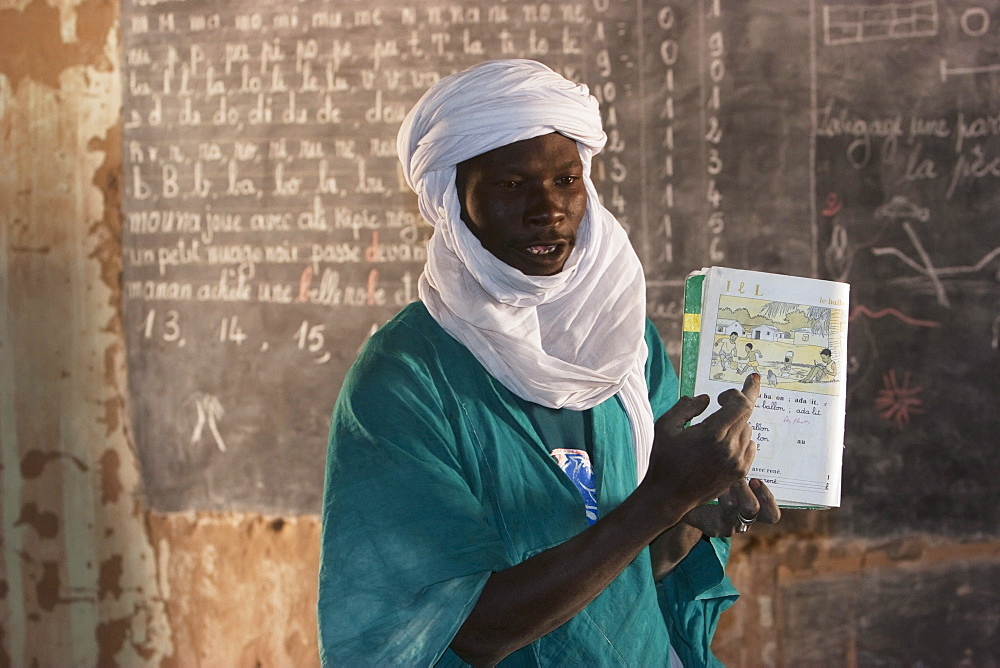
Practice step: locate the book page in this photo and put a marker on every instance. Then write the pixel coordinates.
(793, 332)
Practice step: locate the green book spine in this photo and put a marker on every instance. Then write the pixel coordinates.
(691, 332)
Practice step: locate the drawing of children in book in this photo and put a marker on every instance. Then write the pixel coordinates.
(823, 370)
(787, 370)
(749, 360)
(725, 350)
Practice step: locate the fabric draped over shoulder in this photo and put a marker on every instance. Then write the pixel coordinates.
(571, 340)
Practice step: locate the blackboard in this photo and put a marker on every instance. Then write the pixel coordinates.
(267, 231)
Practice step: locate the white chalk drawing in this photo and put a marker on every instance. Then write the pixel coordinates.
(926, 269)
(209, 410)
(974, 22)
(851, 24)
(838, 254)
(901, 207)
(950, 71)
(946, 272)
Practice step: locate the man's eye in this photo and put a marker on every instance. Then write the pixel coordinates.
(567, 180)
(508, 185)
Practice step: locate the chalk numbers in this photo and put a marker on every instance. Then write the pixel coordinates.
(231, 332)
(609, 167)
(166, 326)
(713, 133)
(669, 53)
(310, 338)
(713, 196)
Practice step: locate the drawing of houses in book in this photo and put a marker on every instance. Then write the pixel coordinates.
(793, 346)
(768, 333)
(727, 327)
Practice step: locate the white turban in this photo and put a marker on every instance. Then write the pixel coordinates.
(571, 340)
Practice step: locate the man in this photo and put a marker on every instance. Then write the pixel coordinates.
(451, 532)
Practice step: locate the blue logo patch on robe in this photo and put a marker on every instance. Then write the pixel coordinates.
(576, 464)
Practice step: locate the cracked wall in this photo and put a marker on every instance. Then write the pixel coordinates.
(87, 575)
(79, 576)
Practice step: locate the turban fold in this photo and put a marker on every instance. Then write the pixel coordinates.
(570, 340)
(491, 105)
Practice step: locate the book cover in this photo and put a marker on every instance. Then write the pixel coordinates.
(793, 332)
(690, 331)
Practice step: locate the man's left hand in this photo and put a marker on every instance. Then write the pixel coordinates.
(751, 501)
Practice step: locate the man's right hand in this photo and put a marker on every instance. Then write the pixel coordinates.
(694, 465)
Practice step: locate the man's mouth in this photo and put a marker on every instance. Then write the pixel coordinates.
(543, 249)
(541, 257)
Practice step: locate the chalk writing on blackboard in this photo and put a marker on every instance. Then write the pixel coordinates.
(267, 227)
(267, 231)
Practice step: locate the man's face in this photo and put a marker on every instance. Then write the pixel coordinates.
(525, 201)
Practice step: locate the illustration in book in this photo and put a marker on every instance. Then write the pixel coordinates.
(793, 332)
(789, 345)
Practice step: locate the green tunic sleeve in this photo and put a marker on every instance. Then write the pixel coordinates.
(405, 548)
(693, 597)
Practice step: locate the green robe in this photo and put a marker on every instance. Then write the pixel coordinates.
(436, 478)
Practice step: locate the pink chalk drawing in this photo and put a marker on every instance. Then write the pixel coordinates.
(896, 401)
(875, 315)
(833, 205)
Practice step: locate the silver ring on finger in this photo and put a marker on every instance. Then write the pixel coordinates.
(745, 522)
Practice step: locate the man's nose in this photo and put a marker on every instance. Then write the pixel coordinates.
(545, 206)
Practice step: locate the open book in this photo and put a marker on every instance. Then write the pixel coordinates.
(793, 332)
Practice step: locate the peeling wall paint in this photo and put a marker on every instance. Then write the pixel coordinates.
(79, 574)
(41, 39)
(242, 587)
